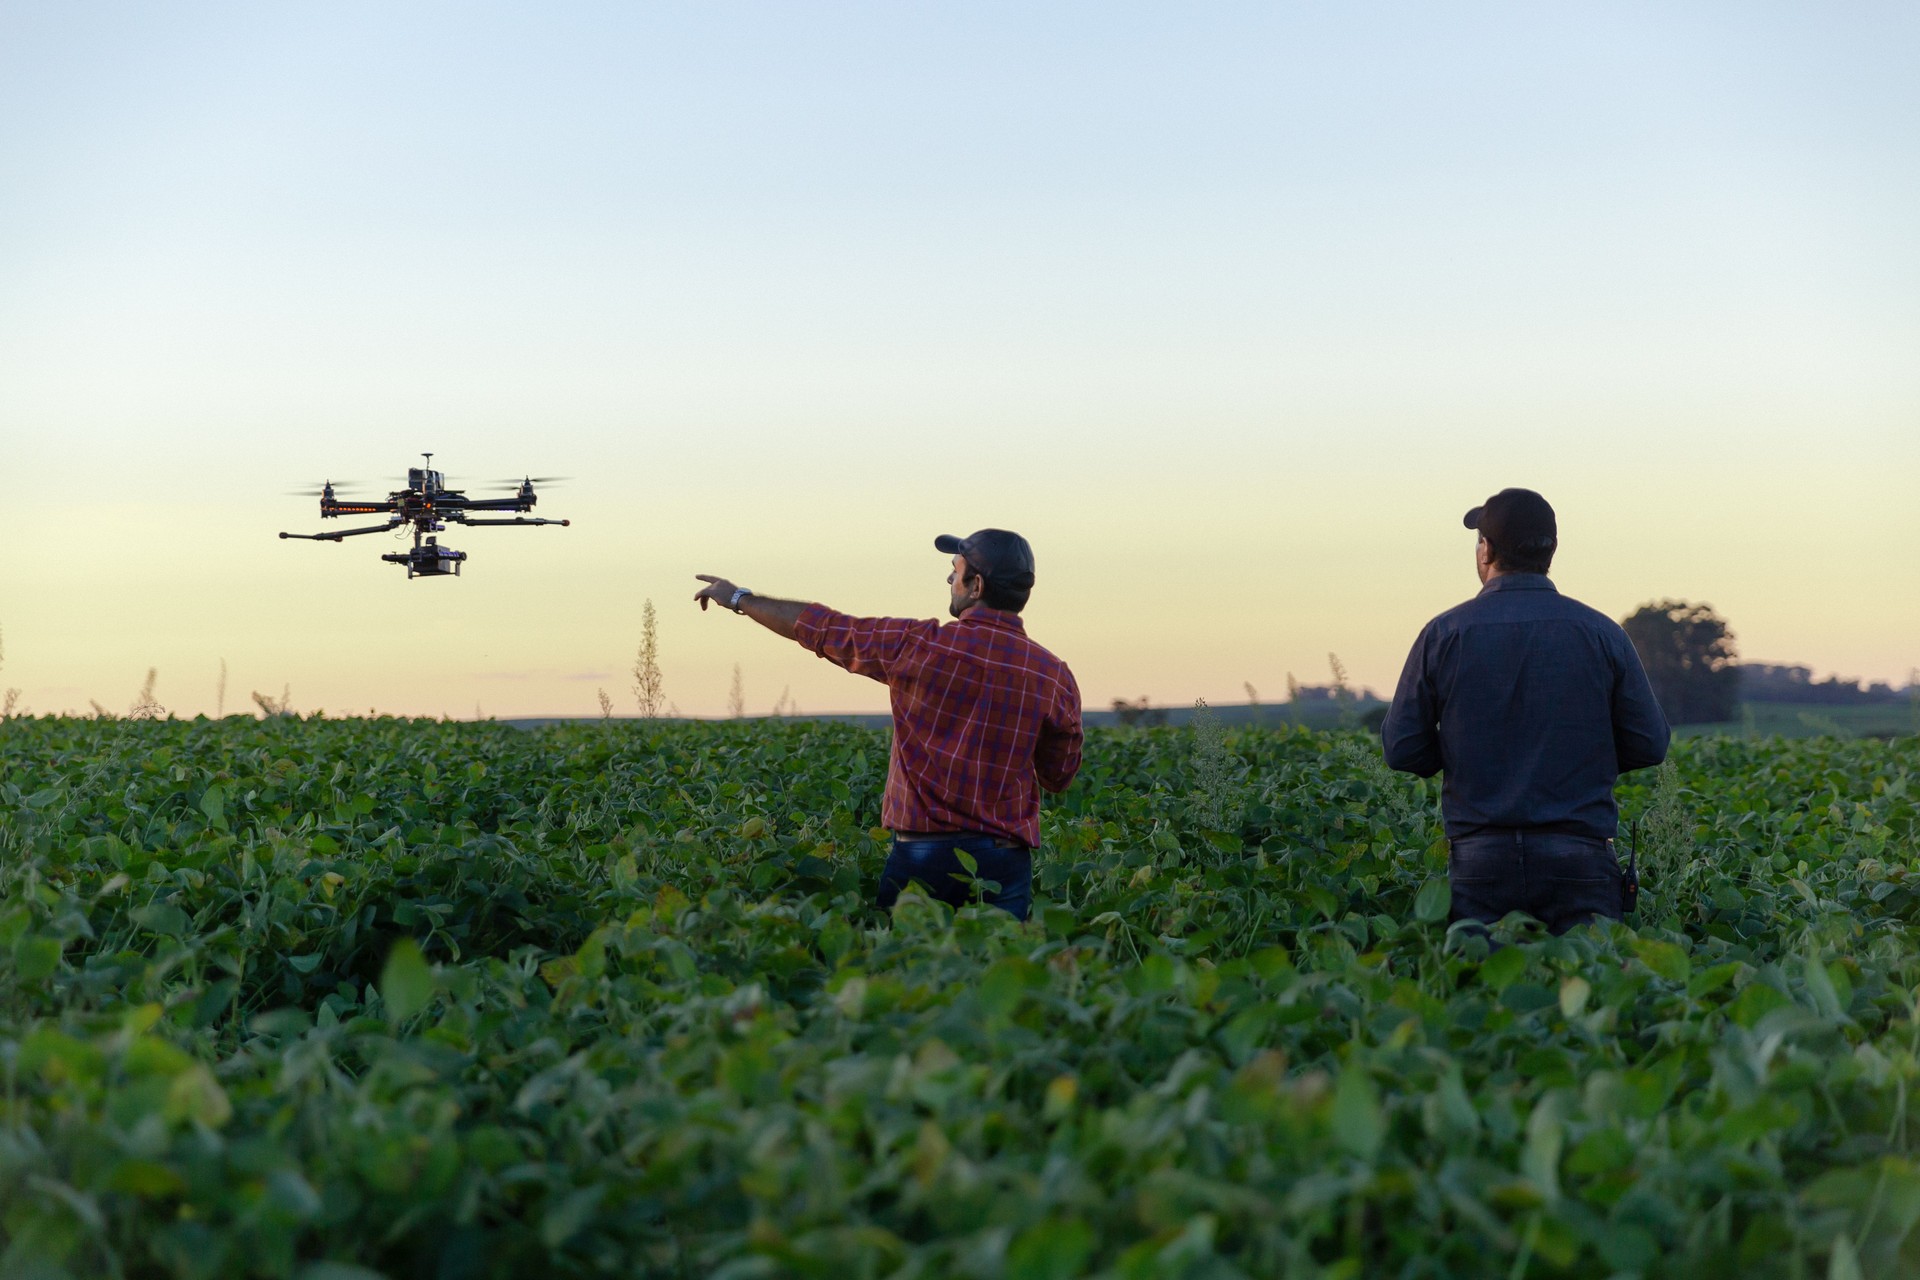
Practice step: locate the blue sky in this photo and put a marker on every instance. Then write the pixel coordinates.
(1231, 308)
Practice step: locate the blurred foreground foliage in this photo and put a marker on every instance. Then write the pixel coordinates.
(335, 998)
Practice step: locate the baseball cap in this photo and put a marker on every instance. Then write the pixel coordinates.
(1513, 518)
(1002, 558)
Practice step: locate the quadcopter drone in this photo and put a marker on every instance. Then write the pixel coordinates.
(429, 506)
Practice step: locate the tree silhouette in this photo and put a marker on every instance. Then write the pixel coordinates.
(1138, 713)
(1688, 652)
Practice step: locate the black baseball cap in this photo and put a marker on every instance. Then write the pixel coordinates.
(1002, 558)
(1513, 518)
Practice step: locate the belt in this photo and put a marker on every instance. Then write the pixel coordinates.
(999, 842)
(1523, 833)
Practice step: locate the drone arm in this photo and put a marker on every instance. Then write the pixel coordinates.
(498, 504)
(344, 533)
(515, 520)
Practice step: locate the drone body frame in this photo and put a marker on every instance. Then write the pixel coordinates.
(429, 506)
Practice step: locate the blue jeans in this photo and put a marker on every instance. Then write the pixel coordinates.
(1004, 879)
(1559, 880)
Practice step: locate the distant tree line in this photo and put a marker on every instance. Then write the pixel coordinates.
(1690, 657)
(1142, 713)
(1696, 673)
(1766, 682)
(1332, 693)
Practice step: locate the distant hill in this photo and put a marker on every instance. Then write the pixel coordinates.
(1874, 718)
(1314, 715)
(1897, 719)
(1772, 682)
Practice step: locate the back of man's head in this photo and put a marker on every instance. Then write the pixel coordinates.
(1519, 530)
(1004, 562)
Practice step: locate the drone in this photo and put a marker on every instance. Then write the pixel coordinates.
(429, 506)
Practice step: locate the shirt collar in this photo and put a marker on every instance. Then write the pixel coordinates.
(993, 617)
(1519, 582)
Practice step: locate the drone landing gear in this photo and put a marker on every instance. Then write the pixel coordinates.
(429, 560)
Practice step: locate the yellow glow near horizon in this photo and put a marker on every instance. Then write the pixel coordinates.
(1231, 314)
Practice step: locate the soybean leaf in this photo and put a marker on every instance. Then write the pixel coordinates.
(1431, 904)
(406, 983)
(1050, 1251)
(1358, 1126)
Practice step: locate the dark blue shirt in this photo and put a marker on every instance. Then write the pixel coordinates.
(1532, 703)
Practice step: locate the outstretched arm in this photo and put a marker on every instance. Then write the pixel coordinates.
(777, 616)
(871, 647)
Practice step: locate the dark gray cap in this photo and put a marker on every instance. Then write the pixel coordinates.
(1002, 558)
(1513, 518)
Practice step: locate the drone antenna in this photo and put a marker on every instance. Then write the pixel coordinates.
(428, 457)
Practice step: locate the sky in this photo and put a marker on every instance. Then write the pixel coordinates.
(1231, 309)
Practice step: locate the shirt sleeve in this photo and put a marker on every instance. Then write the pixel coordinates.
(1410, 734)
(872, 647)
(1056, 759)
(1640, 732)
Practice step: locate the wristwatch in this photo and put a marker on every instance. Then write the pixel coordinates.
(739, 594)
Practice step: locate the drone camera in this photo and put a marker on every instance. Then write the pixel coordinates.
(429, 560)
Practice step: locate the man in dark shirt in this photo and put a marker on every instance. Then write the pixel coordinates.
(983, 718)
(1533, 704)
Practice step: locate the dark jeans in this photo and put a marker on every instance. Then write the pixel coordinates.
(932, 863)
(1559, 880)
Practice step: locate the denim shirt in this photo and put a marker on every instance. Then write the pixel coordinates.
(1532, 704)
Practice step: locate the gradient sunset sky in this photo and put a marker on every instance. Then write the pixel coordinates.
(1232, 309)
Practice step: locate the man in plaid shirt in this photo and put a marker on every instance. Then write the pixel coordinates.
(982, 719)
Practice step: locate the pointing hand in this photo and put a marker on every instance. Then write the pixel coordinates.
(717, 589)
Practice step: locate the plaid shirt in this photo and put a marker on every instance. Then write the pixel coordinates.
(982, 716)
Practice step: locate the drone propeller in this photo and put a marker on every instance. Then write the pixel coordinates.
(520, 480)
(321, 489)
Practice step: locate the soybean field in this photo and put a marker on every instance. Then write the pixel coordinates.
(335, 999)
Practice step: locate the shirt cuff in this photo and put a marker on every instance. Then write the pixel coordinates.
(812, 621)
